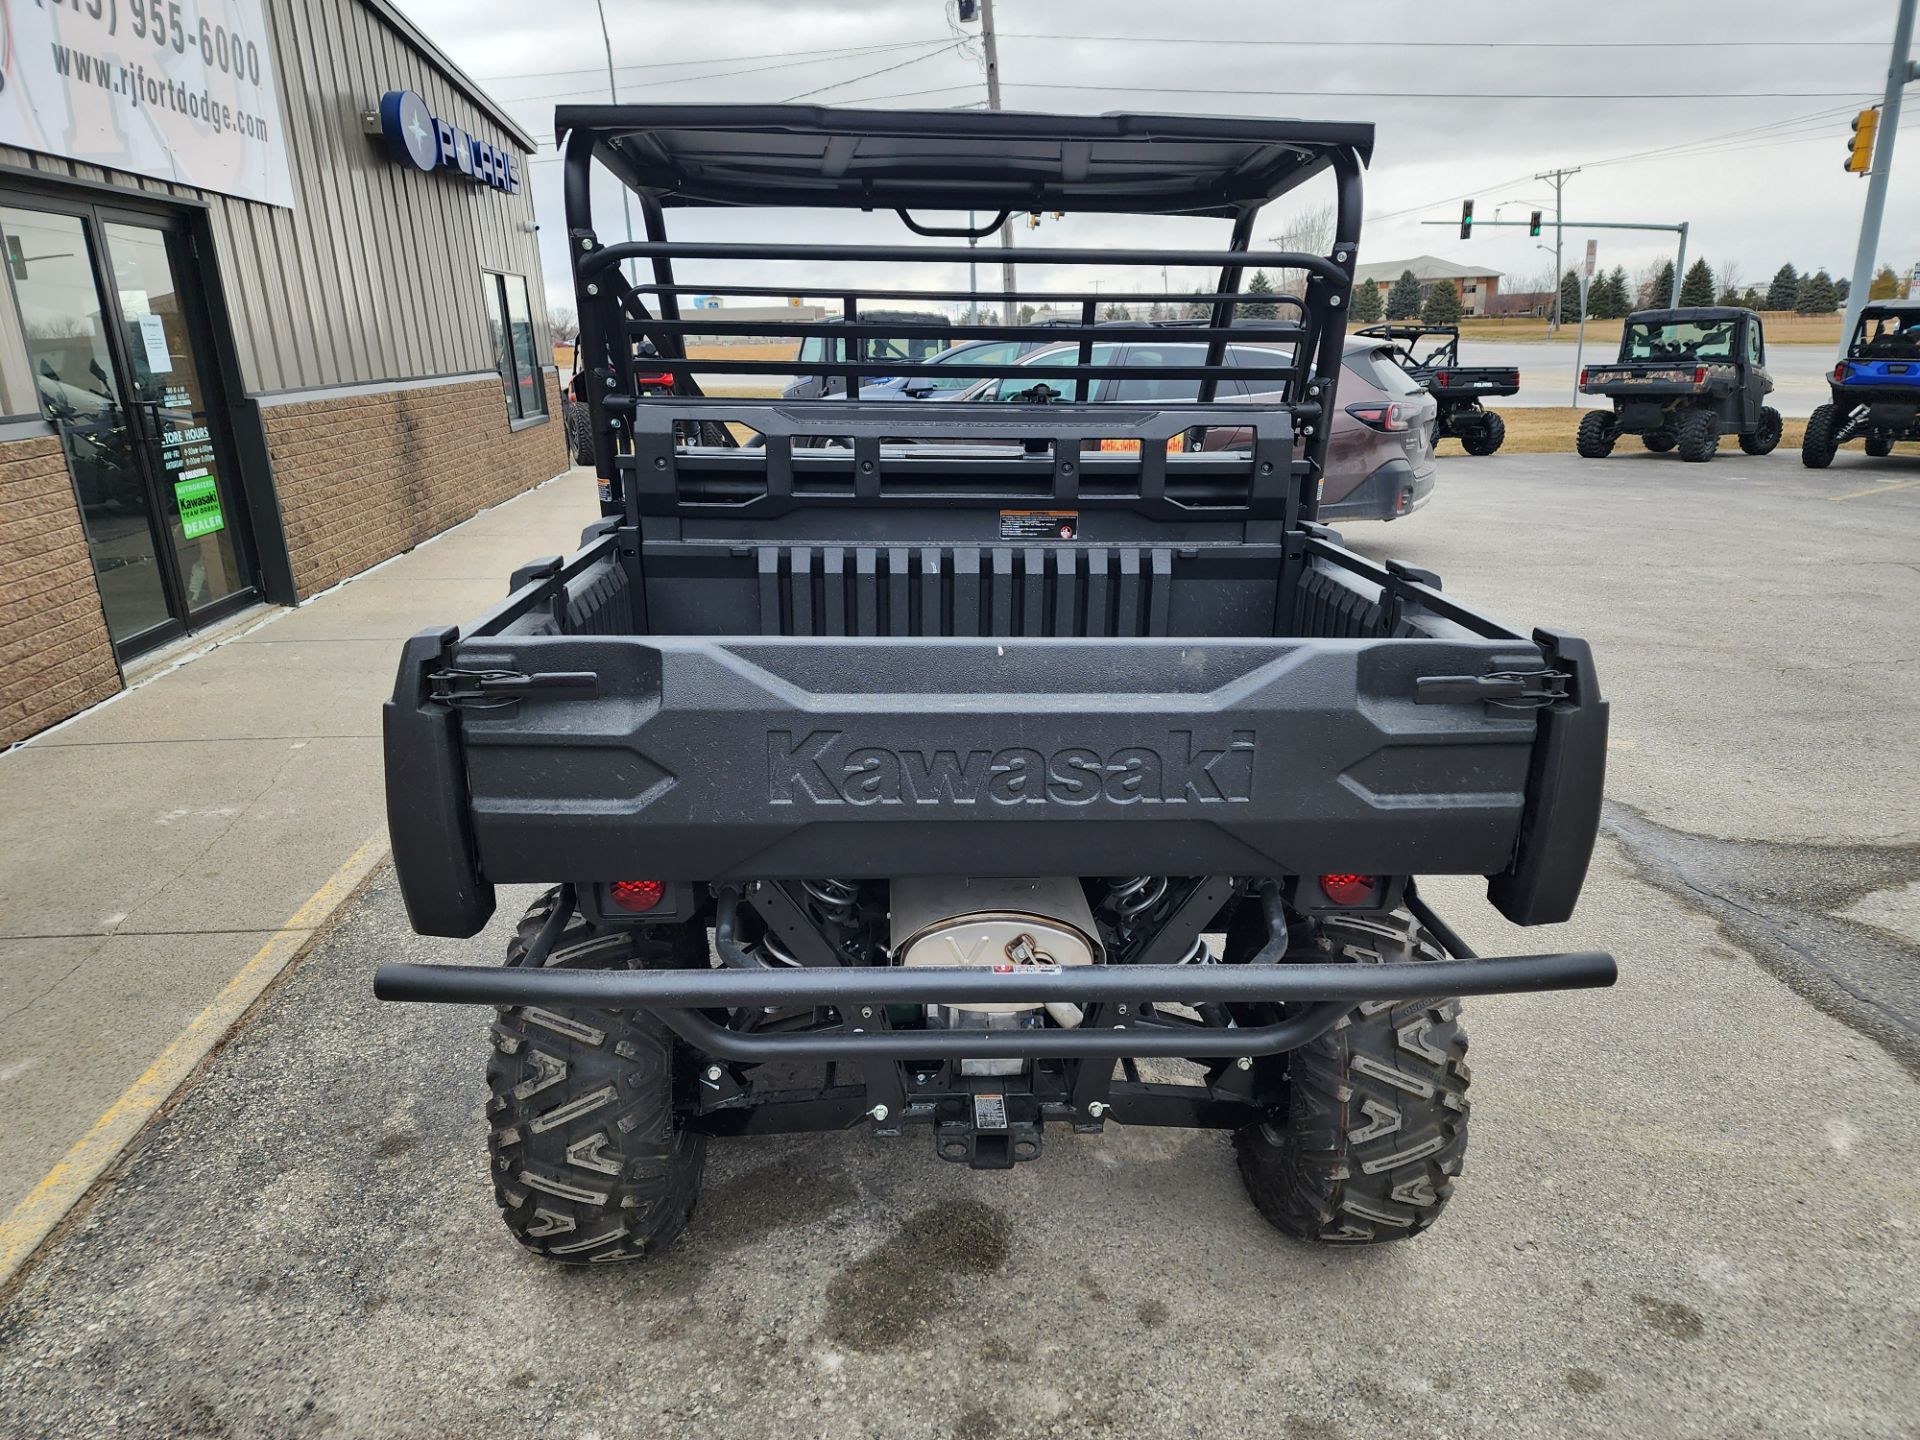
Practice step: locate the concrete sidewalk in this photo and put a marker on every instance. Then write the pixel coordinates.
(171, 850)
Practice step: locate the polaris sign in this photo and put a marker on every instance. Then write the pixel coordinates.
(418, 137)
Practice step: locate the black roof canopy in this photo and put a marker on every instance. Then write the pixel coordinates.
(808, 155)
(1691, 315)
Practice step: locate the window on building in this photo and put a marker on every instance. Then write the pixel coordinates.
(510, 324)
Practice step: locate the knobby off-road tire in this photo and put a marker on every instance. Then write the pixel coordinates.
(1817, 449)
(1486, 439)
(1659, 441)
(1699, 436)
(1597, 434)
(580, 435)
(1763, 439)
(589, 1164)
(1374, 1127)
(1879, 446)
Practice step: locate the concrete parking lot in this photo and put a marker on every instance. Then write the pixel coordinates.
(1690, 1207)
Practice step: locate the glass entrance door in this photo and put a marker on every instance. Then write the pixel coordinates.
(197, 490)
(116, 344)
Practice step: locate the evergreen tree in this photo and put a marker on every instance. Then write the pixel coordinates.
(1199, 309)
(1442, 306)
(1403, 301)
(1815, 295)
(1753, 299)
(1886, 284)
(1619, 302)
(1662, 295)
(1785, 286)
(1259, 309)
(1026, 314)
(1569, 297)
(1842, 289)
(1697, 288)
(1367, 307)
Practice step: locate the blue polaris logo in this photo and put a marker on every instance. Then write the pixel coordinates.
(418, 137)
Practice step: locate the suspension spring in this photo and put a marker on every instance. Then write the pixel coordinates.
(838, 900)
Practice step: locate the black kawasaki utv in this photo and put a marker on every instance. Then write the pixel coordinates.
(996, 784)
(1684, 378)
(1461, 390)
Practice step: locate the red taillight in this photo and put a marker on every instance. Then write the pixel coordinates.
(1347, 889)
(1445, 379)
(1840, 373)
(1381, 417)
(637, 897)
(1699, 374)
(1584, 372)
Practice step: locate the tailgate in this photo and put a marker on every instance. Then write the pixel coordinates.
(724, 758)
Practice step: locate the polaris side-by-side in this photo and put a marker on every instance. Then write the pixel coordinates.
(973, 775)
(1460, 391)
(1683, 379)
(1876, 388)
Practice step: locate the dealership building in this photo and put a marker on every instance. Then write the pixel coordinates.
(273, 314)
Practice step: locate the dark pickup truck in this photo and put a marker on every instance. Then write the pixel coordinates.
(992, 783)
(1461, 391)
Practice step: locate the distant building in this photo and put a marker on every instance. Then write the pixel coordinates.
(1475, 287)
(1522, 302)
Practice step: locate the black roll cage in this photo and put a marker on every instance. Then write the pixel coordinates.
(776, 156)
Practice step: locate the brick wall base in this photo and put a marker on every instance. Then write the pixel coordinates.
(365, 477)
(56, 657)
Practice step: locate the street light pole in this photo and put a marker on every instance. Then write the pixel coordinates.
(1901, 72)
(992, 49)
(613, 94)
(1558, 178)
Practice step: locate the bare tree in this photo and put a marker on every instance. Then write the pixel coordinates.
(564, 324)
(1304, 230)
(1729, 273)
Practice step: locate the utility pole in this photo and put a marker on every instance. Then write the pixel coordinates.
(1558, 179)
(1901, 72)
(993, 103)
(613, 94)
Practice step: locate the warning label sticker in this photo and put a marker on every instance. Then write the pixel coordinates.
(990, 1112)
(1039, 524)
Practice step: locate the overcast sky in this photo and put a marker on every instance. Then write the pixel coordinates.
(1469, 97)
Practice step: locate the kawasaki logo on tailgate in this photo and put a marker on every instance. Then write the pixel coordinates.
(821, 768)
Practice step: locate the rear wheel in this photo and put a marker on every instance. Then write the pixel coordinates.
(1699, 435)
(580, 435)
(1486, 438)
(1817, 449)
(590, 1161)
(1767, 435)
(1879, 446)
(1597, 434)
(1658, 441)
(1374, 1125)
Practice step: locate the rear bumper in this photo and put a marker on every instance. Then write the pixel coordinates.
(861, 995)
(1394, 490)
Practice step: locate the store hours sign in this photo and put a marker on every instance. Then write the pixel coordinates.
(181, 90)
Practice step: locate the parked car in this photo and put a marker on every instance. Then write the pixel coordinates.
(1461, 391)
(1380, 462)
(1876, 389)
(828, 350)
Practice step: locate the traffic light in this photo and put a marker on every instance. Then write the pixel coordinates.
(1533, 224)
(1466, 219)
(967, 10)
(1860, 154)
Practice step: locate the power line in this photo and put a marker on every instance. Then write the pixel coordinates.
(846, 50)
(1240, 43)
(1130, 86)
(946, 48)
(708, 75)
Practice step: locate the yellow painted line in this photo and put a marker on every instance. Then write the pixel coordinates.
(1878, 490)
(34, 1218)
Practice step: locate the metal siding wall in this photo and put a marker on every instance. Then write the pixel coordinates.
(375, 274)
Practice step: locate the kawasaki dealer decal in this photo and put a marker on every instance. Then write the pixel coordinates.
(199, 499)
